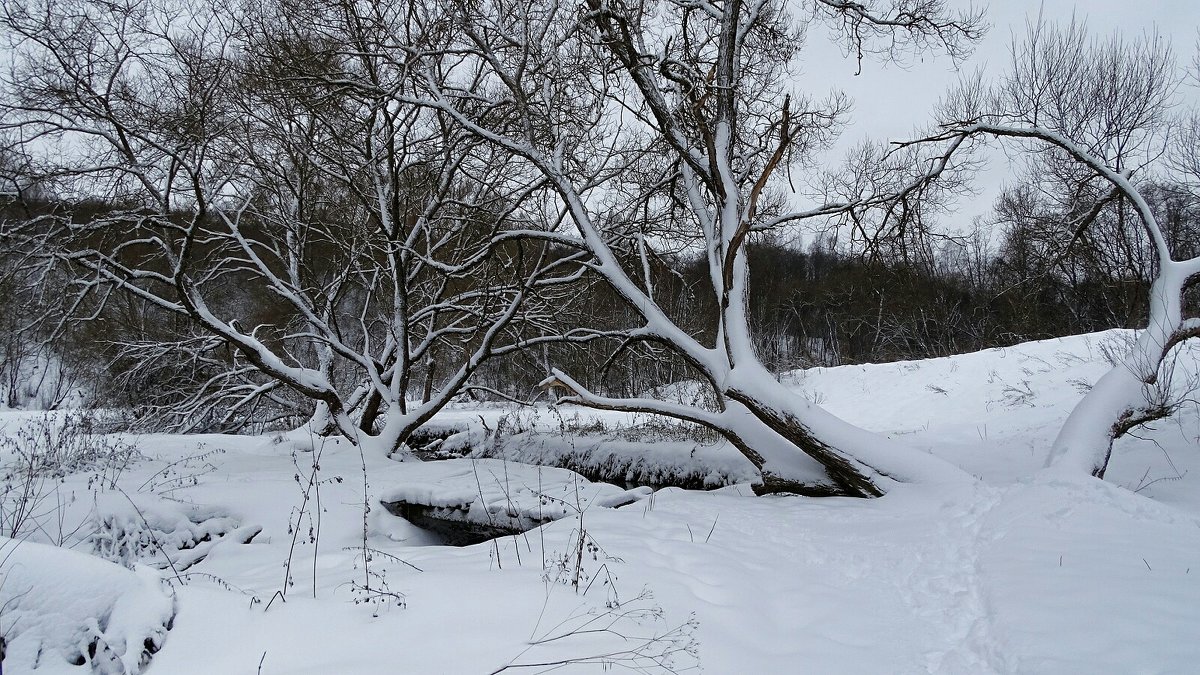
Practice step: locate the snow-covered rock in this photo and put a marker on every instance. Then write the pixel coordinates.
(61, 609)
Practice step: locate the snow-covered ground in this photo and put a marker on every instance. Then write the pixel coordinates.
(273, 567)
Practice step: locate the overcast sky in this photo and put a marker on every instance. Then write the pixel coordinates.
(890, 101)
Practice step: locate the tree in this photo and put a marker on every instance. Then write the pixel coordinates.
(420, 188)
(1093, 116)
(660, 124)
(315, 236)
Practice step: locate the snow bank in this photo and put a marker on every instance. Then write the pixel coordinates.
(504, 495)
(61, 608)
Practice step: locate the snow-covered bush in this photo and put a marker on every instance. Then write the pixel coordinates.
(159, 533)
(36, 456)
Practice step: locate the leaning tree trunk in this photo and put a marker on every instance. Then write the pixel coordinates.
(860, 462)
(1126, 395)
(782, 468)
(1114, 405)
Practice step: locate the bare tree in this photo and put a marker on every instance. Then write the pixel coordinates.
(252, 180)
(1093, 116)
(660, 124)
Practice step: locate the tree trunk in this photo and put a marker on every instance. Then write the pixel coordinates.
(1121, 399)
(370, 412)
(1084, 443)
(859, 462)
(427, 390)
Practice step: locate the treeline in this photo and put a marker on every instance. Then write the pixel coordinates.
(1008, 281)
(811, 305)
(822, 307)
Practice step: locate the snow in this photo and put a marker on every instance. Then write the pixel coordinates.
(1022, 570)
(489, 491)
(1091, 580)
(652, 461)
(62, 607)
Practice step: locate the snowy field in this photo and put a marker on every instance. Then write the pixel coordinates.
(236, 554)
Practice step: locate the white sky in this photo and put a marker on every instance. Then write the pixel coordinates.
(889, 101)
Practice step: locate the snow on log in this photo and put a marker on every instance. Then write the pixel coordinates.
(467, 501)
(607, 457)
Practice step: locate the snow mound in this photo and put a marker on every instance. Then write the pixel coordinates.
(63, 611)
(1009, 388)
(995, 413)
